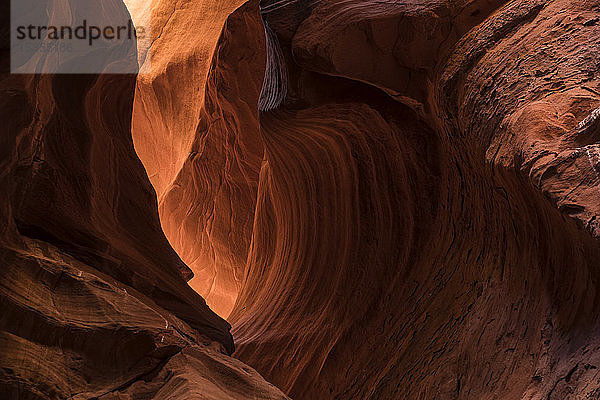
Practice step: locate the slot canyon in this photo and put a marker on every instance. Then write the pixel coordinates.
(307, 199)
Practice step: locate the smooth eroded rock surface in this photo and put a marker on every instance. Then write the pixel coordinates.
(190, 120)
(386, 199)
(94, 301)
(425, 214)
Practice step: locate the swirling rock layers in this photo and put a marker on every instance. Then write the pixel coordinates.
(208, 212)
(413, 213)
(69, 331)
(426, 206)
(95, 303)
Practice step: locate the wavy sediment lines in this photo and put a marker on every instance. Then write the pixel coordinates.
(102, 339)
(208, 212)
(413, 252)
(321, 173)
(413, 213)
(274, 88)
(94, 301)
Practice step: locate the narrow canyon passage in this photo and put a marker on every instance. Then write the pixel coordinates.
(205, 180)
(309, 199)
(410, 214)
(94, 302)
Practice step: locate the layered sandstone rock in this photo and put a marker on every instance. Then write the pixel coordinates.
(444, 247)
(170, 93)
(208, 212)
(426, 206)
(69, 331)
(399, 197)
(94, 300)
(190, 121)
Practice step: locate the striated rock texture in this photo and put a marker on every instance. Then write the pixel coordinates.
(69, 331)
(181, 111)
(208, 212)
(387, 199)
(426, 197)
(94, 301)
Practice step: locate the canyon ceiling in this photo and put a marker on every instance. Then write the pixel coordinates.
(309, 199)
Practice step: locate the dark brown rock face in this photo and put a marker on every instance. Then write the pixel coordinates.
(387, 199)
(94, 301)
(425, 216)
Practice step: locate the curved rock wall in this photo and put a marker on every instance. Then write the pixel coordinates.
(94, 300)
(425, 214)
(170, 93)
(411, 214)
(180, 113)
(208, 212)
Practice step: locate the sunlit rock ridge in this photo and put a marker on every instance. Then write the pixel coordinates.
(94, 301)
